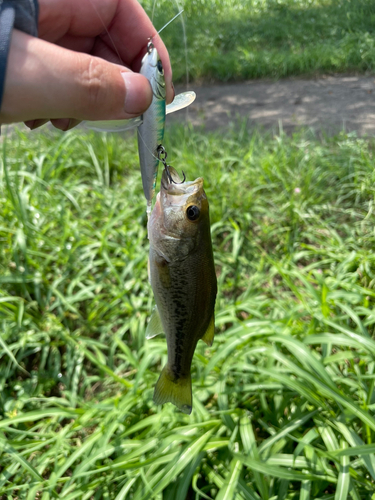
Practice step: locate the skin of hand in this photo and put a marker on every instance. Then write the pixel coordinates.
(83, 66)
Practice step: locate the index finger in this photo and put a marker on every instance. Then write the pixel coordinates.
(122, 26)
(129, 34)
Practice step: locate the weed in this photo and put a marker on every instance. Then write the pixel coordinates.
(283, 401)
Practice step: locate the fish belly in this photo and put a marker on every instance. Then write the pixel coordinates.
(185, 296)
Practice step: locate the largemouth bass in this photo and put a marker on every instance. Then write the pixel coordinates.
(183, 279)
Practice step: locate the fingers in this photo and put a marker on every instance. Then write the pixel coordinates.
(49, 82)
(122, 27)
(63, 124)
(83, 18)
(101, 49)
(130, 31)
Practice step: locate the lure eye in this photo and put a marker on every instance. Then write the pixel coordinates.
(159, 65)
(192, 212)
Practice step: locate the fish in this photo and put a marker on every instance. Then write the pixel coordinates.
(183, 280)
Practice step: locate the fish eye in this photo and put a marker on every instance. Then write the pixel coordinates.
(193, 212)
(159, 65)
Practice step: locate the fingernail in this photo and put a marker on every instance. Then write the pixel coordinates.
(138, 95)
(39, 123)
(30, 124)
(73, 123)
(61, 123)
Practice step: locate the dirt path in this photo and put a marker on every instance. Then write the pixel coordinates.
(331, 104)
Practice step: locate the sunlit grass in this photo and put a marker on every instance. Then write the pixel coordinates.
(229, 40)
(283, 401)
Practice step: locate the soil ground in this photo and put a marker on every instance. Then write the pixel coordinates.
(331, 104)
(328, 104)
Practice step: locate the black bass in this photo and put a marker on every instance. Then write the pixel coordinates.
(183, 279)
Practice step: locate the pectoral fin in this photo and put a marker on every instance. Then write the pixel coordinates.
(163, 271)
(208, 337)
(177, 392)
(154, 326)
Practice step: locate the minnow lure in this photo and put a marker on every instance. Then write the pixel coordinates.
(152, 123)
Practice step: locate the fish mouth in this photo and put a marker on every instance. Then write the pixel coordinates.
(172, 183)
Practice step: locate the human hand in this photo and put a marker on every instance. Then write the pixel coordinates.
(81, 66)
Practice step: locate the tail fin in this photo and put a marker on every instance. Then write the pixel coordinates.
(178, 392)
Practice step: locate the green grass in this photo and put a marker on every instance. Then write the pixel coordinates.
(229, 40)
(283, 401)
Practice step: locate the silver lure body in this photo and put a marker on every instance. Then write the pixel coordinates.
(151, 131)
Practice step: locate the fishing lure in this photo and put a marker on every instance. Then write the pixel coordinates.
(151, 124)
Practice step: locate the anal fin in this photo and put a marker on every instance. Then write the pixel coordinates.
(154, 326)
(208, 337)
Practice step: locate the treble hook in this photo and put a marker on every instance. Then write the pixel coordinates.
(162, 156)
(161, 151)
(184, 178)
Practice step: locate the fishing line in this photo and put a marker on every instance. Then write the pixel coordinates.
(108, 33)
(152, 19)
(161, 149)
(120, 58)
(144, 143)
(181, 10)
(176, 2)
(153, 11)
(115, 48)
(169, 22)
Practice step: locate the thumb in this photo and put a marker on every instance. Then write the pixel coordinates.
(44, 80)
